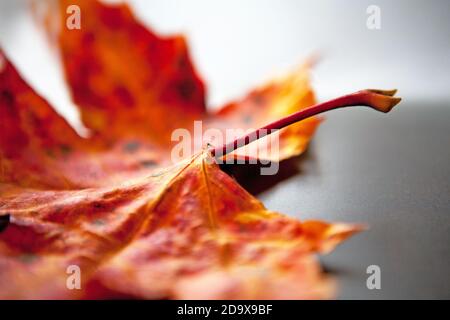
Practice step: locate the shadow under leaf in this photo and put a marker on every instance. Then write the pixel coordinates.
(250, 178)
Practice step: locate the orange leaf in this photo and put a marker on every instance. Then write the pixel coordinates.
(175, 234)
(114, 204)
(126, 79)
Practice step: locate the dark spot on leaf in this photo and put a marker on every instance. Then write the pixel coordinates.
(247, 119)
(258, 100)
(6, 98)
(88, 39)
(183, 62)
(98, 205)
(56, 209)
(4, 222)
(50, 153)
(28, 258)
(65, 149)
(186, 89)
(148, 163)
(124, 96)
(131, 146)
(99, 222)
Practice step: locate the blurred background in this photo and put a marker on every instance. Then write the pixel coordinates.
(239, 44)
(392, 172)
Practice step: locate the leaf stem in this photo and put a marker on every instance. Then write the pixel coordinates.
(380, 100)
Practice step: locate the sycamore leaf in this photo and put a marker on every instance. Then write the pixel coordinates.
(189, 231)
(130, 87)
(115, 206)
(126, 79)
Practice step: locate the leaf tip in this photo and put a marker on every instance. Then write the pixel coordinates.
(382, 100)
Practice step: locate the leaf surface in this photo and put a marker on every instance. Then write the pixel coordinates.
(126, 79)
(175, 234)
(113, 203)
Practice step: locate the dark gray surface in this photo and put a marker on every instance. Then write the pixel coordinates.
(389, 171)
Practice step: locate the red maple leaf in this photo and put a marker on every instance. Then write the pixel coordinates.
(115, 206)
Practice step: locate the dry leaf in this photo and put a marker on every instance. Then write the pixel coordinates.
(114, 204)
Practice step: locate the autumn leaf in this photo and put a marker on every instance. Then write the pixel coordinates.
(115, 205)
(116, 68)
(175, 234)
